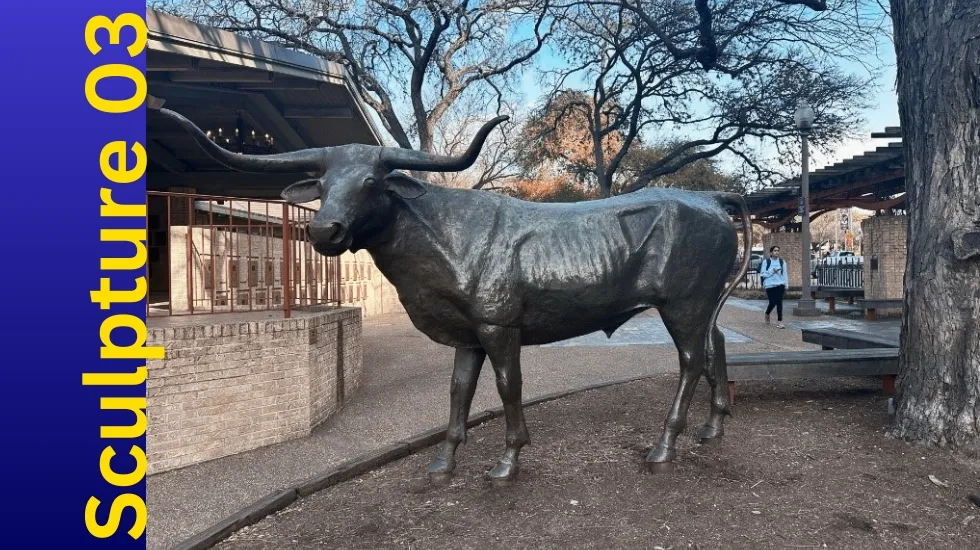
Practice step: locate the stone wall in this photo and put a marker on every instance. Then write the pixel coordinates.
(227, 387)
(363, 286)
(789, 250)
(884, 248)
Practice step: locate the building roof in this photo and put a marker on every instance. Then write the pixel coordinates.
(873, 180)
(213, 76)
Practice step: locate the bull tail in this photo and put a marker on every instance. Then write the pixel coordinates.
(735, 200)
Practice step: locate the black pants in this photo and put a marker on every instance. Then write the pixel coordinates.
(775, 295)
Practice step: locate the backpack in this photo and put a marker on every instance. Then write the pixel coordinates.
(762, 280)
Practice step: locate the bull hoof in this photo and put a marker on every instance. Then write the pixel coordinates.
(661, 460)
(710, 436)
(504, 474)
(661, 454)
(440, 471)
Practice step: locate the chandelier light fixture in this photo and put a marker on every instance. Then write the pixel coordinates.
(242, 140)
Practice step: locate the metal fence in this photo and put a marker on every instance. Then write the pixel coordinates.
(213, 254)
(841, 273)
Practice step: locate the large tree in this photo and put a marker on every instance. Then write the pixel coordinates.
(410, 60)
(559, 138)
(639, 67)
(937, 44)
(937, 47)
(561, 145)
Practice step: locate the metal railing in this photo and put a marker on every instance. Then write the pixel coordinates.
(214, 254)
(841, 273)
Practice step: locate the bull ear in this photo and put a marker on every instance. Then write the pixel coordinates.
(303, 191)
(404, 186)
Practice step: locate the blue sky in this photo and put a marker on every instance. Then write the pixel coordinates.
(882, 113)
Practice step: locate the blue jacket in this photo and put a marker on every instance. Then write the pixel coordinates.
(770, 276)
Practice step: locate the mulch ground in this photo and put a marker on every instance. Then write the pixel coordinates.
(805, 464)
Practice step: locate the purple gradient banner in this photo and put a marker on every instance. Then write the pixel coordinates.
(74, 393)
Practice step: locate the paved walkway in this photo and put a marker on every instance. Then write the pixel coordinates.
(405, 390)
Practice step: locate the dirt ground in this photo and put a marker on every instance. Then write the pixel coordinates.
(805, 464)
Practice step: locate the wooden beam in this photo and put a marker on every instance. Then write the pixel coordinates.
(221, 76)
(861, 183)
(162, 156)
(282, 83)
(321, 112)
(865, 204)
(257, 106)
(166, 62)
(847, 339)
(889, 132)
(269, 118)
(173, 92)
(812, 364)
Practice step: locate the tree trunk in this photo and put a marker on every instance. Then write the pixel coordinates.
(937, 44)
(605, 186)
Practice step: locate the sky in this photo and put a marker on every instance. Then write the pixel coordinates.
(883, 113)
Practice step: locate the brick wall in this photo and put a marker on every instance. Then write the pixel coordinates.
(231, 387)
(884, 239)
(334, 376)
(789, 250)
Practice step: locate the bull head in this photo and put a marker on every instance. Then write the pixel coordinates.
(356, 183)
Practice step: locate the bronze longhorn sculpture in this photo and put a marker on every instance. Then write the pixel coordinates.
(487, 274)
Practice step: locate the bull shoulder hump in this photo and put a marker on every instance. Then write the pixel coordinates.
(640, 225)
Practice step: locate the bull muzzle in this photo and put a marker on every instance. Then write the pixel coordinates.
(328, 238)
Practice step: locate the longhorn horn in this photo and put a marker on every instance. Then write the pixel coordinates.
(407, 159)
(306, 160)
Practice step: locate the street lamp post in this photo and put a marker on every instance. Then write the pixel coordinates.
(804, 121)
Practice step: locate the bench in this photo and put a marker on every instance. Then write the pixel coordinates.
(831, 295)
(870, 307)
(832, 338)
(814, 364)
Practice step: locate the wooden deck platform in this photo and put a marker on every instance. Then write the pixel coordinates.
(814, 364)
(831, 338)
(871, 307)
(872, 352)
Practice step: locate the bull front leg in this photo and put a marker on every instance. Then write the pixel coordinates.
(503, 346)
(466, 372)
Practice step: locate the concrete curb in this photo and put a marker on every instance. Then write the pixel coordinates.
(360, 465)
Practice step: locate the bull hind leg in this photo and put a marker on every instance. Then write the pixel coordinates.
(466, 372)
(503, 346)
(717, 375)
(688, 327)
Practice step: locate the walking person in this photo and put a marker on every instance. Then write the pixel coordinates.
(773, 274)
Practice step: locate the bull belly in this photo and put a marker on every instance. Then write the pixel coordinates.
(553, 318)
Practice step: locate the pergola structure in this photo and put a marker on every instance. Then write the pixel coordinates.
(224, 82)
(874, 180)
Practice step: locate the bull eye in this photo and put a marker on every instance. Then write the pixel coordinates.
(370, 182)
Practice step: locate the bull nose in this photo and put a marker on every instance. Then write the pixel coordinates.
(330, 232)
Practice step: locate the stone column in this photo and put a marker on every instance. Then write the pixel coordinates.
(789, 250)
(884, 248)
(180, 216)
